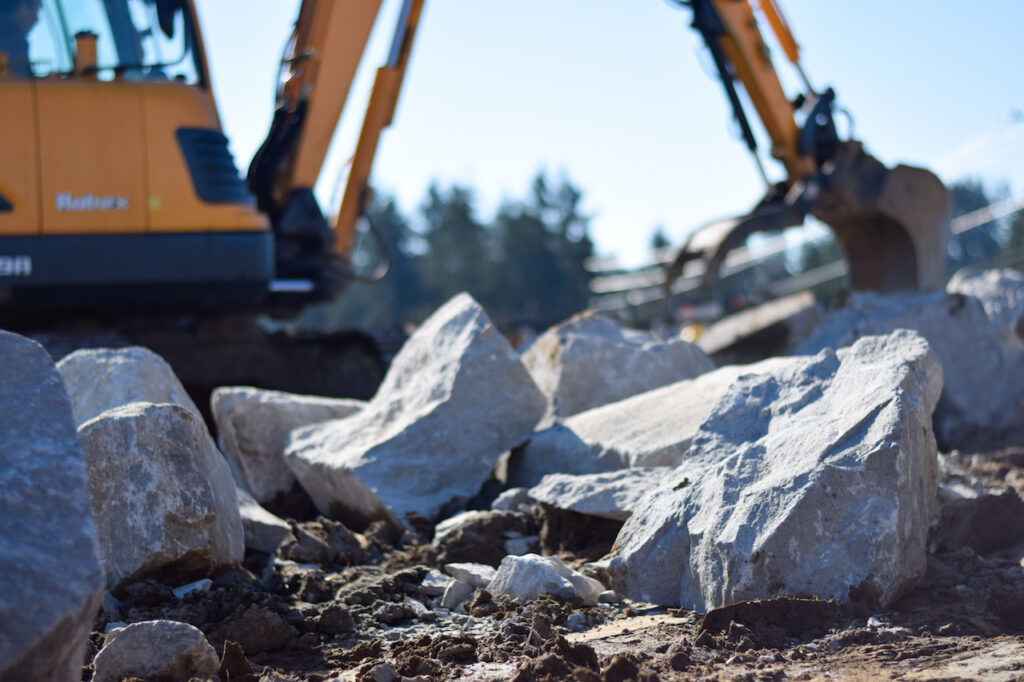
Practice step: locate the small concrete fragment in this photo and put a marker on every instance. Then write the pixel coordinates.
(976, 331)
(253, 426)
(591, 360)
(104, 378)
(648, 430)
(513, 499)
(531, 575)
(455, 398)
(162, 494)
(262, 530)
(51, 585)
(155, 649)
(815, 480)
(457, 592)
(613, 495)
(477, 575)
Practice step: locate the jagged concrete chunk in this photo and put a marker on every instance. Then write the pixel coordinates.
(612, 495)
(253, 427)
(162, 494)
(51, 584)
(531, 575)
(477, 575)
(591, 360)
(156, 649)
(976, 329)
(104, 378)
(647, 430)
(815, 480)
(455, 398)
(262, 530)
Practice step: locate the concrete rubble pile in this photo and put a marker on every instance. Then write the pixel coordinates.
(811, 474)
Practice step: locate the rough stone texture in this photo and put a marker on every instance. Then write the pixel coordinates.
(647, 430)
(51, 584)
(156, 649)
(455, 398)
(162, 494)
(612, 495)
(817, 480)
(977, 331)
(591, 360)
(103, 378)
(531, 575)
(253, 427)
(262, 530)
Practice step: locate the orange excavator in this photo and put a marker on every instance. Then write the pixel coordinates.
(120, 201)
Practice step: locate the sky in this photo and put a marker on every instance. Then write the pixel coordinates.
(619, 97)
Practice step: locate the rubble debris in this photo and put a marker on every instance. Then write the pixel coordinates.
(52, 581)
(770, 622)
(763, 331)
(818, 479)
(479, 536)
(262, 530)
(513, 499)
(156, 649)
(985, 523)
(531, 575)
(585, 536)
(975, 329)
(613, 495)
(591, 360)
(100, 379)
(477, 575)
(325, 542)
(455, 398)
(162, 494)
(255, 629)
(647, 430)
(253, 426)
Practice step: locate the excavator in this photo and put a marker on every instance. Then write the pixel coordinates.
(122, 208)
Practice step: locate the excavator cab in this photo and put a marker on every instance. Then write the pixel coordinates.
(892, 223)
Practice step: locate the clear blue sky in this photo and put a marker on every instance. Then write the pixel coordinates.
(619, 97)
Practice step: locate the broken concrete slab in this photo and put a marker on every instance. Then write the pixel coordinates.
(104, 378)
(592, 360)
(975, 329)
(531, 575)
(817, 479)
(477, 575)
(162, 494)
(52, 582)
(155, 649)
(763, 331)
(253, 426)
(611, 495)
(647, 430)
(480, 536)
(455, 398)
(262, 530)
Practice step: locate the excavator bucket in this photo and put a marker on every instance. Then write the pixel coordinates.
(892, 224)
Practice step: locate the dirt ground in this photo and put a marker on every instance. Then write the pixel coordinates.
(340, 605)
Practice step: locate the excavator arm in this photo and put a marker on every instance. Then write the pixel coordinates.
(893, 224)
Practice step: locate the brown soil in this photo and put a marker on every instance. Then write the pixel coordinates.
(352, 606)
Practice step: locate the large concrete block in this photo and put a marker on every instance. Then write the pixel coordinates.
(52, 582)
(591, 360)
(156, 650)
(976, 329)
(162, 494)
(817, 479)
(455, 398)
(253, 426)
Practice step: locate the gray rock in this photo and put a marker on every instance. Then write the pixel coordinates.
(452, 525)
(523, 545)
(155, 649)
(104, 378)
(531, 575)
(435, 583)
(591, 360)
(262, 530)
(477, 575)
(253, 427)
(51, 585)
(162, 494)
(977, 331)
(612, 495)
(647, 430)
(817, 479)
(513, 499)
(457, 592)
(455, 398)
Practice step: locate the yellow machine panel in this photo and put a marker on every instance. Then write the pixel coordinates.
(19, 173)
(174, 205)
(92, 157)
